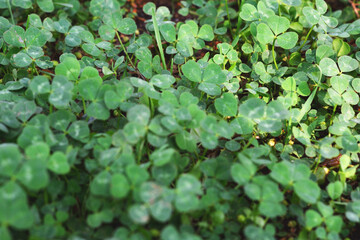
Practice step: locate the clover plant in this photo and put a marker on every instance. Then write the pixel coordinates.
(196, 120)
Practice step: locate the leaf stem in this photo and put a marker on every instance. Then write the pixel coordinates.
(279, 11)
(34, 68)
(228, 16)
(306, 38)
(122, 45)
(151, 107)
(241, 33)
(332, 115)
(248, 143)
(9, 7)
(288, 131)
(172, 66)
(139, 148)
(317, 163)
(240, 4)
(158, 39)
(84, 105)
(307, 105)
(273, 54)
(51, 74)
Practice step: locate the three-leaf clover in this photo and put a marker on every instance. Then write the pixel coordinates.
(275, 29)
(210, 78)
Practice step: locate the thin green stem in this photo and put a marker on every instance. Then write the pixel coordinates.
(224, 64)
(240, 4)
(172, 66)
(158, 39)
(317, 163)
(34, 69)
(228, 16)
(306, 38)
(241, 33)
(51, 74)
(279, 10)
(288, 131)
(193, 13)
(273, 54)
(123, 47)
(179, 69)
(202, 95)
(233, 65)
(140, 151)
(248, 144)
(307, 105)
(27, 23)
(151, 106)
(332, 115)
(11, 15)
(84, 105)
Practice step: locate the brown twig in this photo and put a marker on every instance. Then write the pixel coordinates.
(355, 7)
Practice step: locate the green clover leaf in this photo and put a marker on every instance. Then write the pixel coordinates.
(278, 24)
(10, 158)
(69, 67)
(15, 36)
(312, 218)
(14, 207)
(328, 67)
(227, 105)
(335, 189)
(192, 71)
(264, 34)
(22, 59)
(127, 26)
(119, 186)
(307, 190)
(347, 64)
(168, 32)
(58, 163)
(139, 214)
(61, 92)
(46, 5)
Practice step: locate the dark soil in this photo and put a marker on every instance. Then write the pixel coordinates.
(336, 4)
(173, 6)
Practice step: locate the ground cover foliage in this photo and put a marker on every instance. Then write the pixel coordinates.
(239, 120)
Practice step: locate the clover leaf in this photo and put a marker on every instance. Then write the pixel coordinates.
(58, 163)
(227, 105)
(14, 207)
(192, 71)
(313, 219)
(209, 78)
(61, 92)
(46, 5)
(10, 158)
(275, 28)
(70, 68)
(15, 36)
(119, 186)
(307, 190)
(335, 189)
